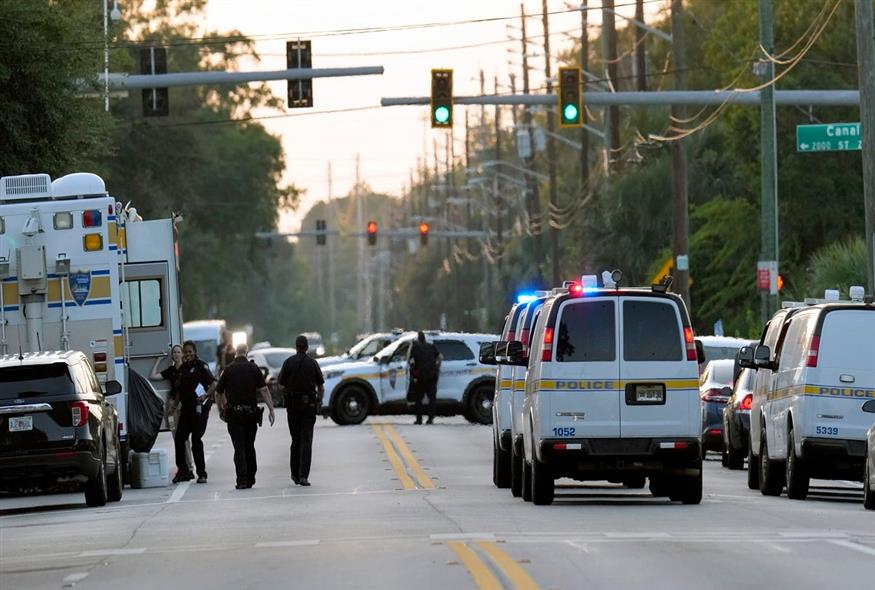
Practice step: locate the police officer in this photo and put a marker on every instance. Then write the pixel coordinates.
(194, 384)
(425, 363)
(238, 389)
(300, 381)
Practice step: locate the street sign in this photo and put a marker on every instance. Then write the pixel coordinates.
(832, 137)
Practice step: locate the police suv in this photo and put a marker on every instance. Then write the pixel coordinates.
(812, 393)
(355, 390)
(611, 392)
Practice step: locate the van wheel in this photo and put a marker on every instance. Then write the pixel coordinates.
(734, 458)
(479, 405)
(771, 482)
(753, 468)
(527, 481)
(797, 474)
(543, 486)
(500, 467)
(115, 484)
(516, 473)
(350, 406)
(659, 486)
(868, 493)
(95, 488)
(687, 489)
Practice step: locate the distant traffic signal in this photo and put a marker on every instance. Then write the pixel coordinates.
(442, 99)
(372, 232)
(423, 233)
(569, 98)
(320, 227)
(156, 101)
(300, 92)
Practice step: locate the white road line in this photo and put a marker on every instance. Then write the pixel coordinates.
(105, 552)
(855, 547)
(302, 543)
(180, 490)
(813, 535)
(579, 546)
(637, 535)
(77, 577)
(462, 537)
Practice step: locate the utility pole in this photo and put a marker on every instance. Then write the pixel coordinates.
(332, 301)
(640, 53)
(496, 186)
(584, 64)
(680, 200)
(609, 51)
(533, 198)
(361, 302)
(551, 149)
(768, 166)
(866, 65)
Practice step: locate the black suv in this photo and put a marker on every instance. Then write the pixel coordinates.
(57, 426)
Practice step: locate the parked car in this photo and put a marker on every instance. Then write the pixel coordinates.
(314, 340)
(736, 421)
(869, 473)
(720, 347)
(365, 348)
(715, 388)
(270, 361)
(58, 427)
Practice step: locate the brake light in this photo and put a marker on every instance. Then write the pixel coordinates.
(79, 412)
(746, 403)
(92, 218)
(559, 446)
(813, 349)
(524, 337)
(510, 336)
(110, 209)
(547, 353)
(690, 340)
(99, 357)
(714, 395)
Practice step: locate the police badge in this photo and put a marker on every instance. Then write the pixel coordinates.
(393, 374)
(80, 286)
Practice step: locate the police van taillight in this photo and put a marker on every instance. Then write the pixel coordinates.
(547, 352)
(690, 340)
(813, 350)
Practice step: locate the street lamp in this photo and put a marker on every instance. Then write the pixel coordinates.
(116, 14)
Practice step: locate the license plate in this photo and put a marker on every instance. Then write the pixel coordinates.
(20, 423)
(650, 394)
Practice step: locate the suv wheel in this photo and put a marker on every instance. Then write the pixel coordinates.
(516, 473)
(734, 458)
(350, 406)
(479, 405)
(543, 486)
(771, 482)
(95, 488)
(115, 483)
(500, 467)
(797, 474)
(753, 468)
(868, 493)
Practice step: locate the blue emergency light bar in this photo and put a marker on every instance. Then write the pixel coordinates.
(525, 297)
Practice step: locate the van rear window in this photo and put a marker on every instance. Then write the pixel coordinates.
(651, 331)
(847, 340)
(29, 381)
(587, 333)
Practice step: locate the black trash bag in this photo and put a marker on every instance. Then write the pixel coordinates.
(145, 413)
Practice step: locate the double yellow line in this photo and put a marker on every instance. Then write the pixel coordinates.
(406, 467)
(483, 576)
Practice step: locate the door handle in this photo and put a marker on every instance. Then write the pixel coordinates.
(470, 364)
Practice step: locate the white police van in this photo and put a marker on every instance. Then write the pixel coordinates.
(612, 392)
(501, 403)
(353, 391)
(815, 374)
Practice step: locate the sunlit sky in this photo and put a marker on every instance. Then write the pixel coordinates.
(389, 140)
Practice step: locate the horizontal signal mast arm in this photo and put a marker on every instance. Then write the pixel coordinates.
(135, 81)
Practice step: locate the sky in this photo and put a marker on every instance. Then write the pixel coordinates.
(388, 140)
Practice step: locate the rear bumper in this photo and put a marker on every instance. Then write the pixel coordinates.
(602, 458)
(48, 466)
(828, 458)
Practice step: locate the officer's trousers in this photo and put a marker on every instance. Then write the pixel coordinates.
(190, 424)
(243, 427)
(301, 424)
(427, 386)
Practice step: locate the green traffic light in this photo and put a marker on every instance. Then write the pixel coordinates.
(570, 112)
(442, 115)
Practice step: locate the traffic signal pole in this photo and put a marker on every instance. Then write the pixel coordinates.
(551, 151)
(132, 82)
(533, 199)
(866, 65)
(768, 167)
(680, 198)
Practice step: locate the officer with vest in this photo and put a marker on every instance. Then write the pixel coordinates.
(301, 383)
(239, 386)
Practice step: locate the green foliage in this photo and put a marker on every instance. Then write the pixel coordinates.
(839, 265)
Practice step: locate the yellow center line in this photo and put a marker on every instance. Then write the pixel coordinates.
(425, 482)
(521, 580)
(394, 459)
(483, 577)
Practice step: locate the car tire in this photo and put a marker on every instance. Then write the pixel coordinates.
(635, 482)
(527, 481)
(543, 485)
(797, 475)
(95, 487)
(687, 489)
(868, 492)
(659, 486)
(734, 458)
(501, 468)
(771, 481)
(479, 405)
(753, 468)
(724, 457)
(115, 482)
(516, 473)
(351, 406)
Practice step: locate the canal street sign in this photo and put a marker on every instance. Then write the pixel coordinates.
(832, 137)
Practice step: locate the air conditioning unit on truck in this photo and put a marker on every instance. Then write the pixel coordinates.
(80, 272)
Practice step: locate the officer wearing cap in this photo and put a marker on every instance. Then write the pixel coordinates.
(301, 383)
(238, 389)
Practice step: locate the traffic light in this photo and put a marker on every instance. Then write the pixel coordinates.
(156, 101)
(320, 227)
(372, 232)
(569, 98)
(780, 283)
(423, 233)
(442, 99)
(300, 92)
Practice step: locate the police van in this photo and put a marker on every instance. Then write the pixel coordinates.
(81, 272)
(501, 405)
(355, 390)
(611, 392)
(815, 368)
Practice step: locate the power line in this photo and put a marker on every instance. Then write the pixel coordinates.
(267, 117)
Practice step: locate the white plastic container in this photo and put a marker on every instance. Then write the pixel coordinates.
(150, 470)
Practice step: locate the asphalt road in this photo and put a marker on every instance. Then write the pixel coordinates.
(404, 506)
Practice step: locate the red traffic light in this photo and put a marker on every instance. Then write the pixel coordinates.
(372, 232)
(423, 232)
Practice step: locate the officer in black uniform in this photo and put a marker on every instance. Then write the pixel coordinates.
(425, 364)
(194, 384)
(301, 383)
(238, 390)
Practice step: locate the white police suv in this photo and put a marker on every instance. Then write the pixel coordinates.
(364, 349)
(355, 390)
(812, 395)
(612, 392)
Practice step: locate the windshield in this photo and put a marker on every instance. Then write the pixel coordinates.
(713, 353)
(722, 373)
(35, 380)
(206, 349)
(367, 346)
(390, 350)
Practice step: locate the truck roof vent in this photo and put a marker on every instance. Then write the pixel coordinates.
(78, 185)
(26, 186)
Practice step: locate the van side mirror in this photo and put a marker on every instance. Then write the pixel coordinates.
(762, 357)
(112, 388)
(487, 353)
(744, 359)
(700, 351)
(516, 354)
(501, 352)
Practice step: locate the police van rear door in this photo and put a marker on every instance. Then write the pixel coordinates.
(579, 390)
(659, 392)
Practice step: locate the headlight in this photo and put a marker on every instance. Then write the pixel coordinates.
(333, 374)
